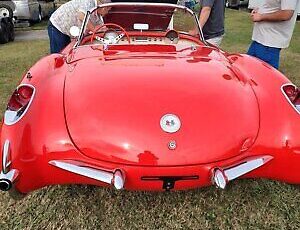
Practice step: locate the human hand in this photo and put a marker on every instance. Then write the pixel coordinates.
(255, 10)
(194, 32)
(256, 17)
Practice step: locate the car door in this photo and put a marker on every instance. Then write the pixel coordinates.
(47, 7)
(33, 10)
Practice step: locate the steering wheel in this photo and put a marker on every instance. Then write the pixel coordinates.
(116, 39)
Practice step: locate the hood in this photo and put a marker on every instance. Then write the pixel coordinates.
(114, 107)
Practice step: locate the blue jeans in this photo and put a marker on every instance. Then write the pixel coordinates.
(270, 55)
(58, 40)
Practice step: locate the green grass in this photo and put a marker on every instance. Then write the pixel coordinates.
(35, 26)
(40, 26)
(245, 204)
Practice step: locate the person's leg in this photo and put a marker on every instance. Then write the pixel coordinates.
(65, 40)
(274, 56)
(58, 40)
(269, 55)
(52, 39)
(251, 50)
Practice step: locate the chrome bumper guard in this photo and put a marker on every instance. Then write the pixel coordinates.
(221, 176)
(7, 176)
(7, 179)
(115, 177)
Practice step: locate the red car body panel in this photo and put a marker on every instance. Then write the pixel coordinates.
(103, 109)
(118, 109)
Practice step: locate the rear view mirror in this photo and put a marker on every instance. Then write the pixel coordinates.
(140, 26)
(74, 31)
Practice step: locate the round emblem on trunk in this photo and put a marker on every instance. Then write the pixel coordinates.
(170, 123)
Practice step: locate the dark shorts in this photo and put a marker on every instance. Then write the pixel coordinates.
(270, 55)
(58, 40)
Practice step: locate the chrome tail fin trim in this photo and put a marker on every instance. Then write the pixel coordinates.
(115, 177)
(6, 157)
(221, 176)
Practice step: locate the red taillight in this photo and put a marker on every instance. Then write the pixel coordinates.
(293, 95)
(291, 92)
(18, 104)
(20, 98)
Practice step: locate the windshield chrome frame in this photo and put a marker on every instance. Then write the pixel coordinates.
(87, 16)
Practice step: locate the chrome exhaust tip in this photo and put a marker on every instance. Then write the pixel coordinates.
(219, 178)
(7, 179)
(5, 185)
(118, 180)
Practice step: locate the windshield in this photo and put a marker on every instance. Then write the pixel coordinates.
(111, 23)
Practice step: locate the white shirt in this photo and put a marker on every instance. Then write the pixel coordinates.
(275, 34)
(66, 15)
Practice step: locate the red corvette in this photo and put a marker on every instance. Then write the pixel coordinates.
(143, 103)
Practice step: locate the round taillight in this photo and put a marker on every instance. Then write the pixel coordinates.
(291, 92)
(20, 98)
(19, 103)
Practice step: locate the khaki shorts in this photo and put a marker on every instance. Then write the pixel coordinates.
(216, 41)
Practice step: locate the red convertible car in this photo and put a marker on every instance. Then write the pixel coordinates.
(142, 102)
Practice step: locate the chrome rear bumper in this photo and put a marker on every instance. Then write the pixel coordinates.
(7, 176)
(115, 177)
(221, 176)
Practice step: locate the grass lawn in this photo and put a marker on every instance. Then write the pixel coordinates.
(245, 204)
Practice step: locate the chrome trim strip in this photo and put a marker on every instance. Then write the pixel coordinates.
(8, 114)
(84, 25)
(200, 29)
(113, 178)
(244, 168)
(289, 101)
(221, 176)
(6, 157)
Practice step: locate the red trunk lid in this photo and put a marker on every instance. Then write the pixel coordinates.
(113, 109)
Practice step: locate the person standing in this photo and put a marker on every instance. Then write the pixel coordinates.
(274, 22)
(67, 15)
(211, 20)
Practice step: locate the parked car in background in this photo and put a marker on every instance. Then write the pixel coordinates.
(190, 4)
(236, 3)
(7, 32)
(33, 10)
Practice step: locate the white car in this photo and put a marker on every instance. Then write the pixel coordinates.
(33, 10)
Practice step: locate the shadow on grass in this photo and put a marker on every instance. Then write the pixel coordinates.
(256, 204)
